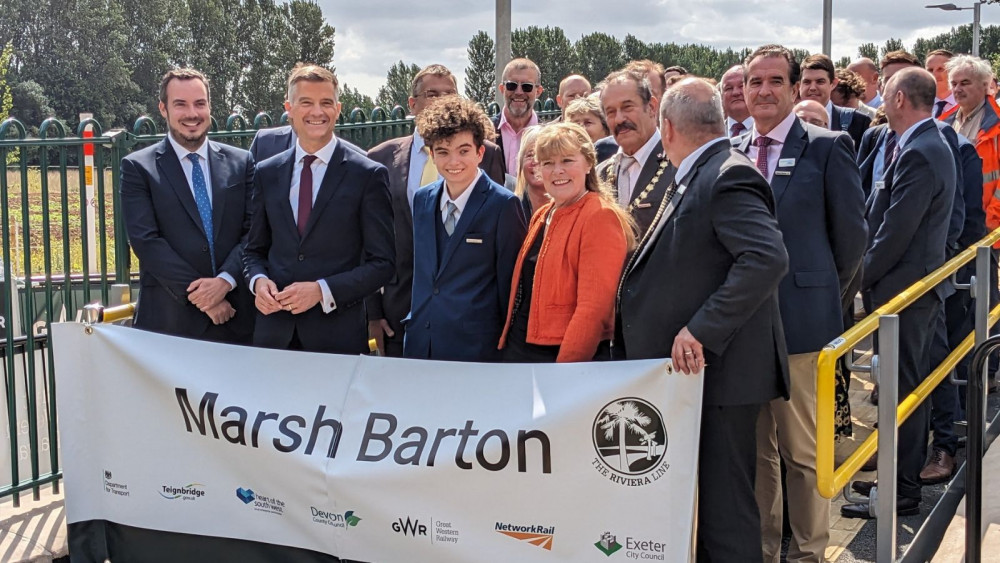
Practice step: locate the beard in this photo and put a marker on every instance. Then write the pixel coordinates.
(186, 140)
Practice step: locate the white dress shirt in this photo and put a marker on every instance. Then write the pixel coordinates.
(949, 102)
(875, 102)
(777, 136)
(640, 156)
(747, 124)
(188, 167)
(460, 202)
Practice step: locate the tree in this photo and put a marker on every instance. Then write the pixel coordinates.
(6, 95)
(480, 75)
(892, 44)
(30, 104)
(310, 34)
(550, 49)
(158, 38)
(599, 54)
(351, 98)
(868, 51)
(844, 62)
(396, 90)
(634, 49)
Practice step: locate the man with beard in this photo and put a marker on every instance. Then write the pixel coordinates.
(738, 120)
(640, 172)
(521, 86)
(186, 205)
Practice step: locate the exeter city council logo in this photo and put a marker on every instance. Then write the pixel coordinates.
(608, 544)
(630, 440)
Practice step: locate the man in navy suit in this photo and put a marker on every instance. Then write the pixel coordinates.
(269, 142)
(818, 81)
(467, 231)
(321, 235)
(908, 220)
(186, 205)
(820, 208)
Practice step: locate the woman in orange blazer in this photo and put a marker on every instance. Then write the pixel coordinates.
(562, 304)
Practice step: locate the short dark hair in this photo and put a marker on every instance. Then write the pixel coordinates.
(676, 68)
(451, 115)
(776, 51)
(943, 52)
(639, 77)
(182, 74)
(850, 84)
(819, 62)
(432, 70)
(898, 57)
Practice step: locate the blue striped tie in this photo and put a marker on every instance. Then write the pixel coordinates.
(204, 206)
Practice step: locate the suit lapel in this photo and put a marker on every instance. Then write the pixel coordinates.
(216, 167)
(332, 179)
(646, 174)
(401, 171)
(170, 165)
(793, 147)
(286, 167)
(428, 229)
(834, 119)
(476, 200)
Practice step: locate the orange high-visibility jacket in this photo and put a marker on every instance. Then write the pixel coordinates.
(988, 146)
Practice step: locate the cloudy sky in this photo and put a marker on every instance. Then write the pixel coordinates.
(374, 34)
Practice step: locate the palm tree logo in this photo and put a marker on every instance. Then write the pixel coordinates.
(626, 436)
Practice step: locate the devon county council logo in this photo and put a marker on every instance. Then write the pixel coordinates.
(608, 544)
(630, 440)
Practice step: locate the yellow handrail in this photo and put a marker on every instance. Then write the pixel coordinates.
(117, 313)
(829, 480)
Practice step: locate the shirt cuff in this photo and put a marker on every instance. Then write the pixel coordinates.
(228, 278)
(327, 302)
(253, 282)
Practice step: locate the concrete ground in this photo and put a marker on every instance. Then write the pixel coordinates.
(34, 532)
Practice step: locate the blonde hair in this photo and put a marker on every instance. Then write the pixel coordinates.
(565, 138)
(527, 142)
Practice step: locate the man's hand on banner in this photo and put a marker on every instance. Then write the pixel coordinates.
(206, 293)
(299, 297)
(379, 330)
(687, 354)
(265, 290)
(221, 313)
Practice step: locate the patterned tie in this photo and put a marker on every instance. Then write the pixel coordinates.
(736, 129)
(762, 144)
(449, 221)
(625, 179)
(305, 192)
(430, 171)
(204, 205)
(891, 149)
(939, 108)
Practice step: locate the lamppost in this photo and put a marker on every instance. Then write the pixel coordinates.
(827, 27)
(975, 20)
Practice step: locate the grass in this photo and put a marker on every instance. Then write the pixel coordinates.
(64, 218)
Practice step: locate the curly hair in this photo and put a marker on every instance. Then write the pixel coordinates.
(451, 115)
(850, 84)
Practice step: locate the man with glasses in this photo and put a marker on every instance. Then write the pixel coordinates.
(521, 86)
(410, 167)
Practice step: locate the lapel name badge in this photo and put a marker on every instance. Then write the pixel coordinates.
(786, 162)
(782, 172)
(474, 240)
(643, 205)
(880, 185)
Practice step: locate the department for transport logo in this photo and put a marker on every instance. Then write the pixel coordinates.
(346, 520)
(261, 502)
(114, 487)
(608, 544)
(191, 491)
(630, 439)
(540, 536)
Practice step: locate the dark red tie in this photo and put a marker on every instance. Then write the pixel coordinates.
(305, 192)
(736, 129)
(762, 144)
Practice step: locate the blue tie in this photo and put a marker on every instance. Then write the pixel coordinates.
(204, 206)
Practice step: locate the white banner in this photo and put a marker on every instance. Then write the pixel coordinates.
(378, 459)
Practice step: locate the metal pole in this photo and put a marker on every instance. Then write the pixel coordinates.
(503, 51)
(888, 367)
(975, 28)
(981, 293)
(975, 400)
(827, 27)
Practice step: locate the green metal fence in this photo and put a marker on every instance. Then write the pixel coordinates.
(54, 263)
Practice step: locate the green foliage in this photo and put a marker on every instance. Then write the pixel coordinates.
(6, 96)
(551, 50)
(868, 50)
(843, 62)
(396, 90)
(480, 75)
(310, 34)
(599, 54)
(891, 44)
(350, 99)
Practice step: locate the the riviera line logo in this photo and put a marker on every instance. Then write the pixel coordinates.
(191, 491)
(608, 544)
(540, 536)
(346, 520)
(630, 439)
(261, 503)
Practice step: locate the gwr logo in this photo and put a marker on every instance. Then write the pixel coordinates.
(414, 528)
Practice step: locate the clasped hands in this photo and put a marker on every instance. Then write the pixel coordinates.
(296, 298)
(209, 296)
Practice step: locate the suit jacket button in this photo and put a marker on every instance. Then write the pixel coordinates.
(436, 291)
(427, 324)
(302, 257)
(204, 249)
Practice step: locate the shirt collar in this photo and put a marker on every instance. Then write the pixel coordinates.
(182, 152)
(642, 155)
(462, 199)
(325, 154)
(876, 101)
(685, 166)
(747, 123)
(949, 99)
(418, 141)
(909, 132)
(829, 111)
(974, 113)
(780, 131)
(504, 123)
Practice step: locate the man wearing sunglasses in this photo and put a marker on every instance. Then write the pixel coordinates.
(521, 86)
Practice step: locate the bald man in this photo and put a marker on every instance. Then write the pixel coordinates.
(869, 73)
(572, 87)
(811, 111)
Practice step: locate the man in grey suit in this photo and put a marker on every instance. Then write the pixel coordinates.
(908, 219)
(410, 167)
(821, 213)
(702, 290)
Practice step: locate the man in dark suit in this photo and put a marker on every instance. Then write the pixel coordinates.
(186, 203)
(818, 81)
(702, 290)
(640, 173)
(820, 208)
(908, 221)
(321, 236)
(467, 232)
(269, 142)
(520, 87)
(411, 167)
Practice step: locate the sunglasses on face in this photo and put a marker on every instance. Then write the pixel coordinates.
(526, 87)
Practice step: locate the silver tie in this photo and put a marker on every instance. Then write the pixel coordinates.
(625, 179)
(449, 221)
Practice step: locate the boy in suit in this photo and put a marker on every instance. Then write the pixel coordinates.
(467, 231)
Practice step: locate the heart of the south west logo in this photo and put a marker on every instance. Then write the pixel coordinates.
(246, 495)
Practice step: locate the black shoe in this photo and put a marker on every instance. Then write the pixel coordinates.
(905, 506)
(863, 487)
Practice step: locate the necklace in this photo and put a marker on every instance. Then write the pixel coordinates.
(613, 180)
